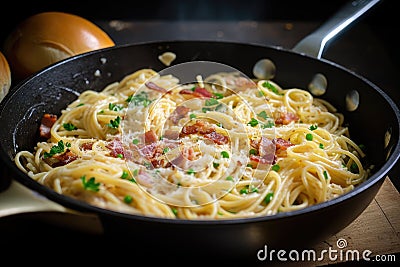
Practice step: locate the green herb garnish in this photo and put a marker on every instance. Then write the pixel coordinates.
(268, 197)
(128, 199)
(69, 126)
(275, 167)
(225, 154)
(263, 115)
(271, 87)
(253, 122)
(56, 149)
(114, 123)
(90, 184)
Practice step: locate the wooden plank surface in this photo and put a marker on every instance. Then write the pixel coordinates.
(377, 230)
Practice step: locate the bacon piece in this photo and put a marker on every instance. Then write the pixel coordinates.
(87, 146)
(46, 123)
(217, 138)
(64, 158)
(197, 92)
(117, 149)
(179, 113)
(150, 137)
(145, 179)
(281, 146)
(155, 87)
(199, 127)
(150, 151)
(286, 118)
(205, 129)
(266, 152)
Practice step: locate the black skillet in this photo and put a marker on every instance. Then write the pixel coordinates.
(372, 116)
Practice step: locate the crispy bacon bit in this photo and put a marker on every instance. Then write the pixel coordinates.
(47, 122)
(150, 151)
(286, 118)
(179, 113)
(281, 146)
(217, 138)
(150, 137)
(266, 152)
(64, 158)
(205, 129)
(155, 87)
(154, 153)
(87, 146)
(118, 149)
(197, 92)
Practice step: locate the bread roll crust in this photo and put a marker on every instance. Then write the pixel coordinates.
(48, 37)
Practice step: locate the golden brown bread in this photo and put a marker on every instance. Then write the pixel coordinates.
(5, 76)
(48, 37)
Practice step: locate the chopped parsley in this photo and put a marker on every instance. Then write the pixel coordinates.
(192, 116)
(269, 124)
(135, 141)
(114, 107)
(253, 122)
(191, 171)
(211, 102)
(268, 197)
(263, 115)
(229, 178)
(271, 87)
(69, 126)
(354, 167)
(128, 199)
(139, 99)
(313, 127)
(90, 184)
(174, 211)
(325, 175)
(225, 154)
(124, 174)
(253, 151)
(218, 95)
(276, 167)
(248, 189)
(114, 123)
(56, 149)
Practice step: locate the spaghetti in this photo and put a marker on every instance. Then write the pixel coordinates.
(222, 147)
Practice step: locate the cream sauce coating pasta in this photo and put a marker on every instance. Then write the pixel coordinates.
(222, 147)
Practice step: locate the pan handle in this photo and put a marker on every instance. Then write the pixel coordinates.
(17, 199)
(315, 43)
